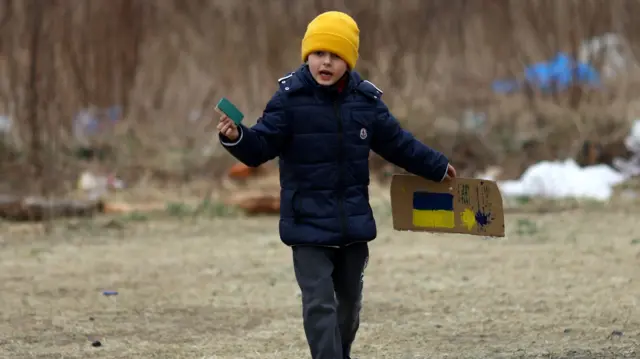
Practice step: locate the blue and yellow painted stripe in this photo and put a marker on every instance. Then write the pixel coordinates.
(433, 210)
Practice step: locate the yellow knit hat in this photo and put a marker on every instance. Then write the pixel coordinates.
(335, 32)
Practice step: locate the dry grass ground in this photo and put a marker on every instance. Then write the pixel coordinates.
(558, 286)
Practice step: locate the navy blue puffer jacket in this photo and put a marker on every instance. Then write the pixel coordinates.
(322, 136)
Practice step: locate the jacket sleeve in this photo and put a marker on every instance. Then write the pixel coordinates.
(401, 148)
(264, 140)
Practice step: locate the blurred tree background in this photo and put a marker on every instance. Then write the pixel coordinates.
(151, 71)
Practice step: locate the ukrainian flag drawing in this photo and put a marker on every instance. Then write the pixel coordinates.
(433, 210)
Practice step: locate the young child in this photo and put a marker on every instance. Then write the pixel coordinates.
(321, 123)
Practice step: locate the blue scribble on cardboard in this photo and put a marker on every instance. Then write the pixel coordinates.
(483, 219)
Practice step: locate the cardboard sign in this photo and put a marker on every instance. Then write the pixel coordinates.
(464, 205)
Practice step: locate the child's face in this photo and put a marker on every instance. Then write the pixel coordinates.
(326, 68)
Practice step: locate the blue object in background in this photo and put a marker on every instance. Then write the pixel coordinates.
(505, 86)
(91, 122)
(557, 74)
(109, 293)
(114, 113)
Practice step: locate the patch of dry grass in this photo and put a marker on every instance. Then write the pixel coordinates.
(167, 62)
(556, 287)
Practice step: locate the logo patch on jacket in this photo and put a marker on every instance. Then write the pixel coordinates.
(363, 133)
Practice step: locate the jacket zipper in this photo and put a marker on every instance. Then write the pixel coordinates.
(343, 219)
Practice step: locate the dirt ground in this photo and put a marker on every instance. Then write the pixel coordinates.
(560, 285)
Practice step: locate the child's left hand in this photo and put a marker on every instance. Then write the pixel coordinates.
(451, 173)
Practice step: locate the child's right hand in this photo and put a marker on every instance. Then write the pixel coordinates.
(228, 128)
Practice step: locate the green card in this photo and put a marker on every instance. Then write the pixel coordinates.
(225, 106)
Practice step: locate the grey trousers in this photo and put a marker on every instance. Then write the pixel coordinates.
(331, 281)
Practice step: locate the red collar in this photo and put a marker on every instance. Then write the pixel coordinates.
(341, 84)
